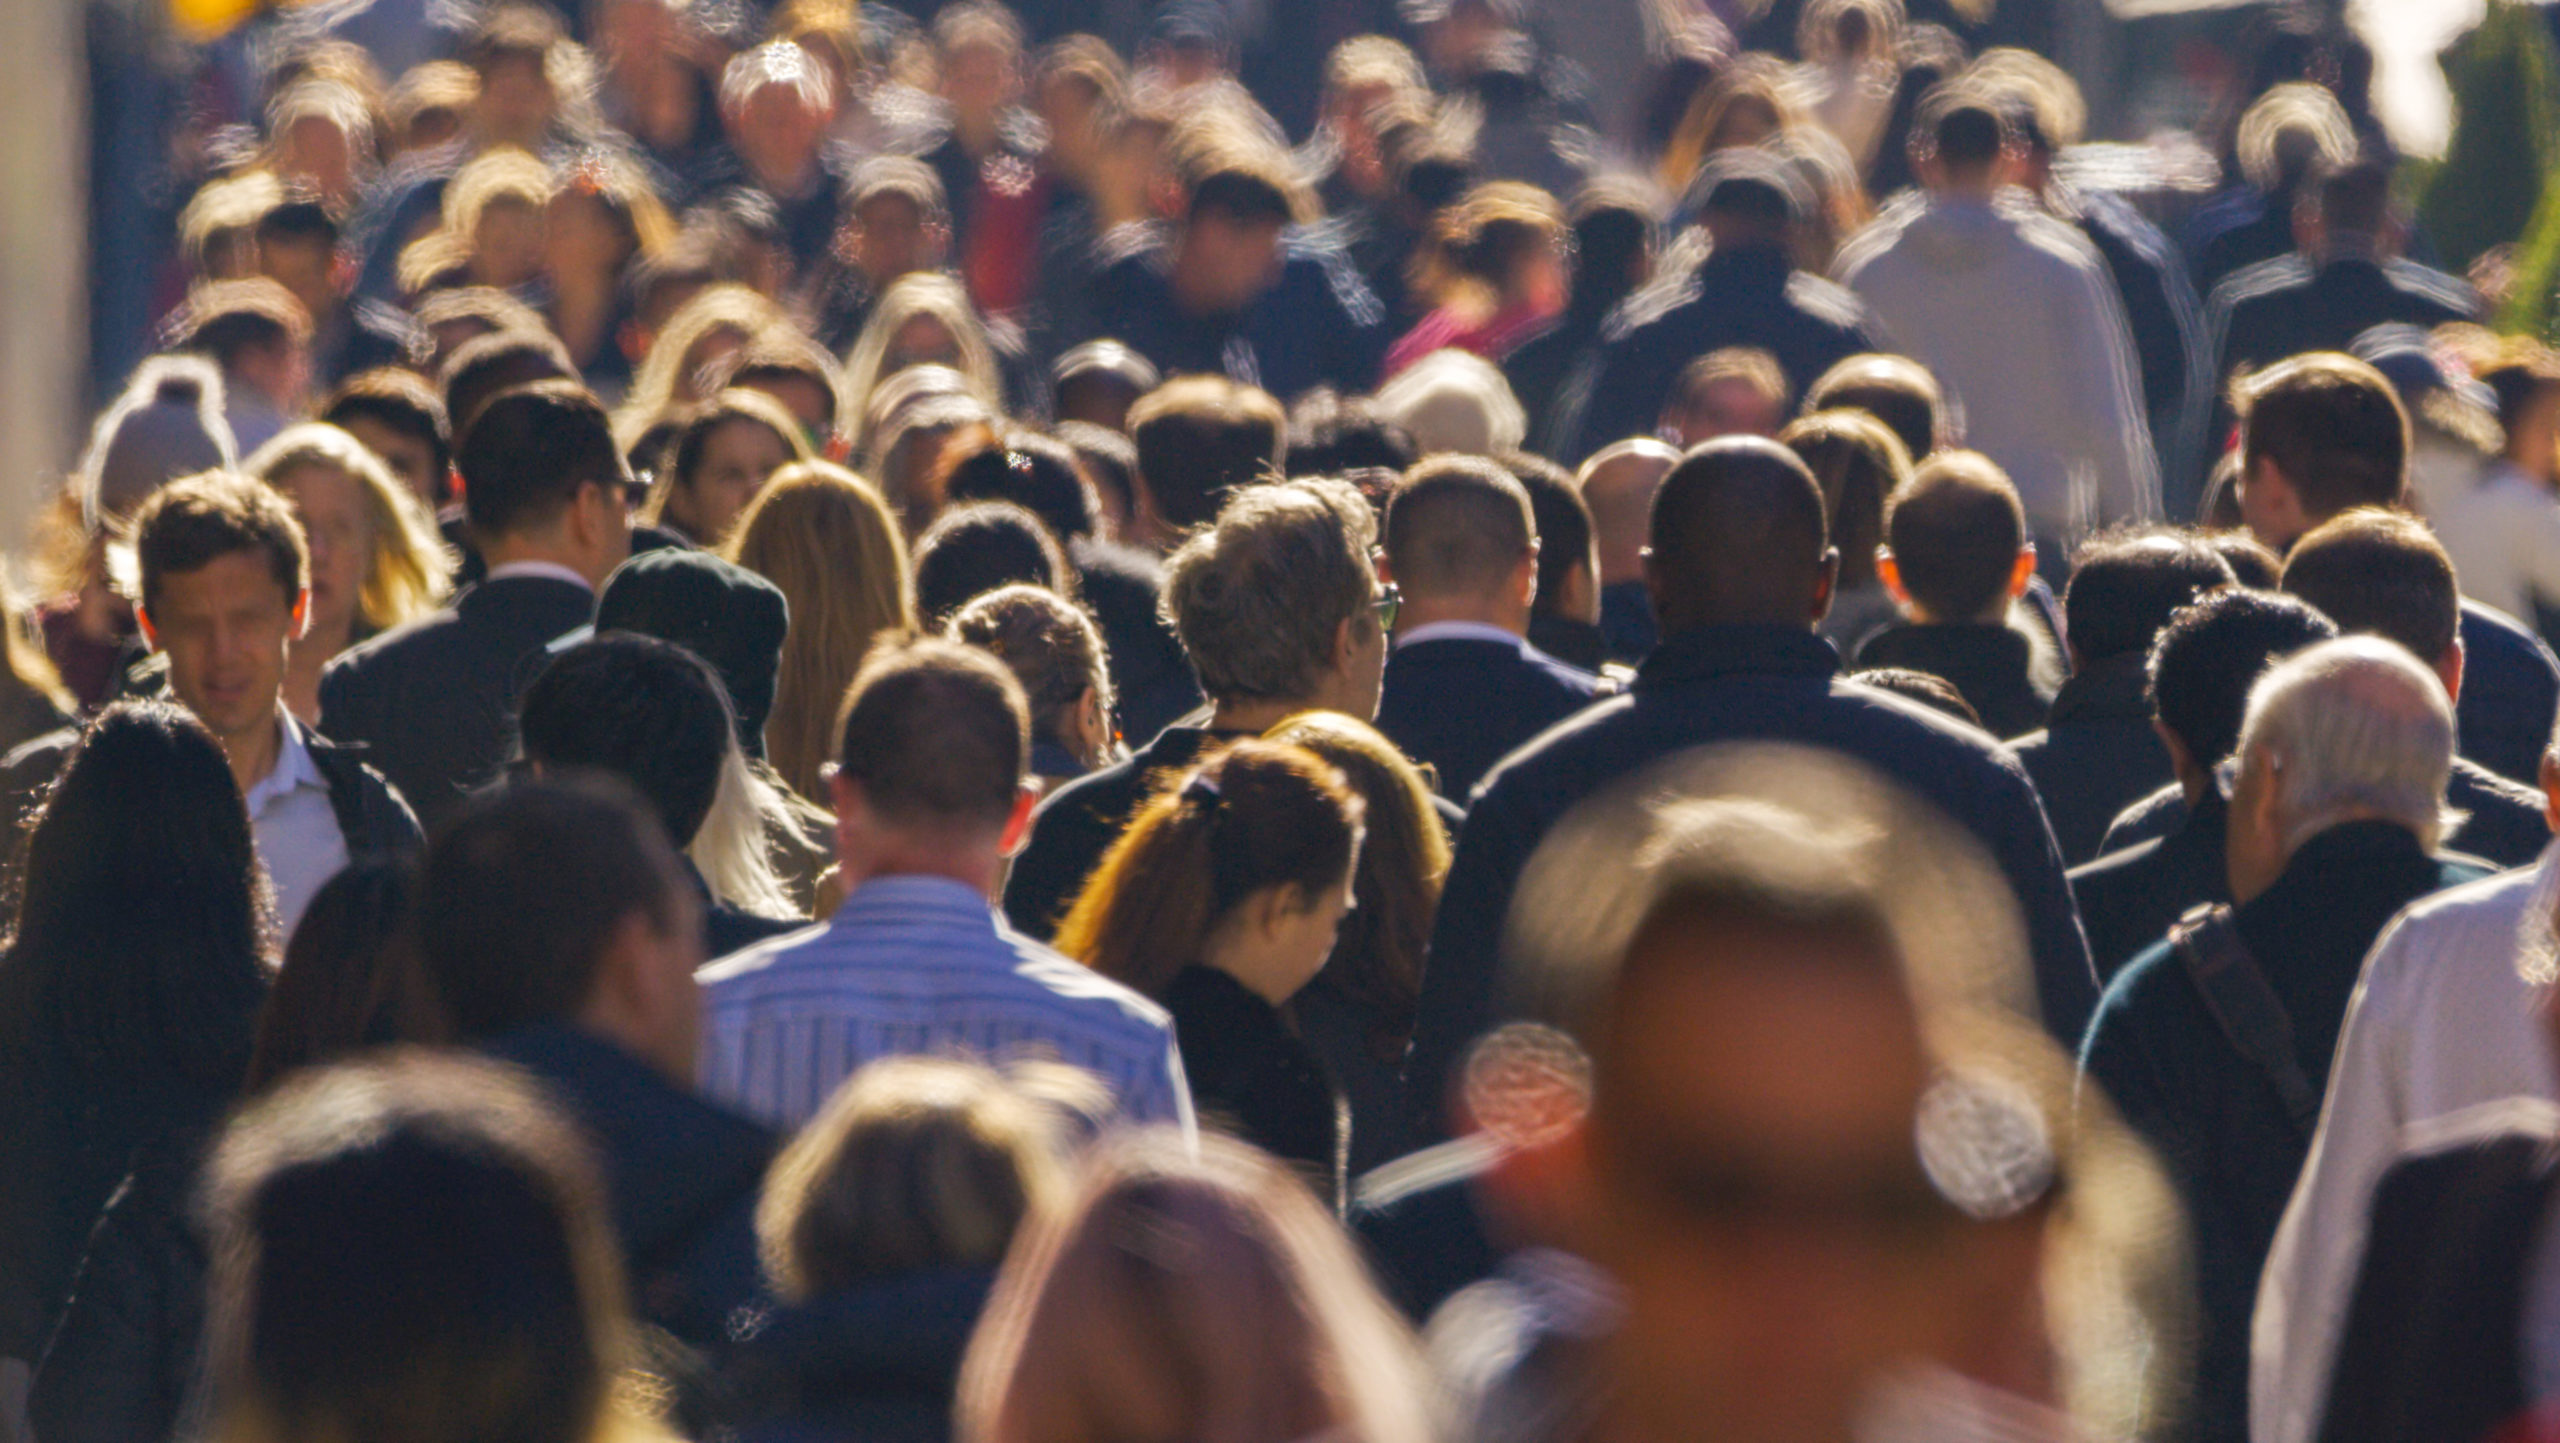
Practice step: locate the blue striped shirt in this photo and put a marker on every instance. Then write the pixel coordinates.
(915, 964)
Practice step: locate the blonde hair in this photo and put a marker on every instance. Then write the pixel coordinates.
(409, 572)
(1203, 1295)
(913, 1163)
(663, 379)
(822, 535)
(494, 176)
(944, 299)
(1475, 246)
(1749, 78)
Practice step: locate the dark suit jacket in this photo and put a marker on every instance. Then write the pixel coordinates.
(2504, 822)
(2130, 894)
(1730, 683)
(2096, 755)
(435, 701)
(2510, 688)
(1985, 662)
(1460, 704)
(1077, 823)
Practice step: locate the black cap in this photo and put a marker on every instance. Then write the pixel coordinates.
(727, 615)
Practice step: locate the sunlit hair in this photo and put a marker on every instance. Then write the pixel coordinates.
(776, 63)
(1861, 464)
(449, 1186)
(2353, 727)
(410, 569)
(1395, 886)
(667, 373)
(1050, 644)
(1253, 816)
(1477, 246)
(1183, 1294)
(613, 180)
(822, 535)
(941, 298)
(1825, 27)
(914, 1163)
(677, 465)
(1750, 82)
(2291, 132)
(502, 176)
(734, 848)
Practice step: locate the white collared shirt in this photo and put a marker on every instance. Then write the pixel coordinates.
(295, 827)
(1460, 631)
(548, 570)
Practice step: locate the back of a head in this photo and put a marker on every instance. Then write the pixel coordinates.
(2291, 131)
(1896, 390)
(719, 611)
(971, 550)
(1050, 644)
(350, 978)
(1618, 483)
(1861, 466)
(1964, 131)
(167, 424)
(646, 711)
(1331, 434)
(524, 892)
(1615, 226)
(2209, 655)
(2333, 426)
(1258, 599)
(2353, 198)
(1732, 390)
(2125, 586)
(226, 321)
(2354, 727)
(529, 453)
(1457, 526)
(1200, 438)
(1956, 532)
(2383, 572)
(443, 1184)
(1738, 537)
(1561, 520)
(914, 1164)
(1033, 472)
(1927, 688)
(486, 366)
(935, 736)
(1452, 400)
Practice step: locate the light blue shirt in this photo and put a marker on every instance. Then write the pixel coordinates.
(922, 965)
(295, 827)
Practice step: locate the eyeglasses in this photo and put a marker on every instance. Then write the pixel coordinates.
(1385, 605)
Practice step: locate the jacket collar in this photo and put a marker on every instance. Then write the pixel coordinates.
(2112, 689)
(2339, 861)
(1709, 652)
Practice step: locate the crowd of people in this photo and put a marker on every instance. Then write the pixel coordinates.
(1247, 723)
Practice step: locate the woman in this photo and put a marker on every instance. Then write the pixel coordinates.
(922, 319)
(827, 540)
(1750, 102)
(1358, 1013)
(718, 320)
(1222, 902)
(492, 229)
(1193, 1295)
(973, 549)
(723, 453)
(881, 1226)
(128, 991)
(444, 1185)
(1860, 463)
(377, 560)
(603, 216)
(1494, 270)
(1053, 648)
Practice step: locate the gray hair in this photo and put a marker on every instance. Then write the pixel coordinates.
(2353, 726)
(1258, 598)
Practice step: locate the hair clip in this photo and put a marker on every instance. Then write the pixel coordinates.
(1203, 788)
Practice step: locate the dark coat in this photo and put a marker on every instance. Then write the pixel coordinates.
(1151, 681)
(2510, 689)
(2504, 822)
(1984, 661)
(2132, 893)
(2289, 305)
(124, 1363)
(2217, 1122)
(877, 1364)
(435, 701)
(2096, 755)
(1420, 1224)
(1319, 325)
(2160, 303)
(1746, 296)
(1363, 1053)
(1730, 683)
(1461, 704)
(1077, 823)
(1251, 1074)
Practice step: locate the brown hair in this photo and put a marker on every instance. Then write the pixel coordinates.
(2333, 425)
(1896, 390)
(935, 732)
(409, 570)
(1750, 365)
(682, 459)
(1253, 815)
(352, 977)
(1475, 246)
(2382, 572)
(1861, 465)
(1956, 531)
(187, 525)
(1200, 438)
(1049, 643)
(1258, 599)
(1457, 526)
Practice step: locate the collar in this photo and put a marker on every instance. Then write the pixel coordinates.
(545, 570)
(2338, 861)
(916, 891)
(2111, 689)
(293, 770)
(1709, 652)
(1458, 631)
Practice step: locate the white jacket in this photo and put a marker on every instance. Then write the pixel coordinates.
(2500, 526)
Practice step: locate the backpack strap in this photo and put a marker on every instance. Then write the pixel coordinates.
(2244, 1004)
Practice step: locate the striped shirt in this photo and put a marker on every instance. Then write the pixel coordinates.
(915, 964)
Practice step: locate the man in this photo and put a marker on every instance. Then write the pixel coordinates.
(2449, 1017)
(2382, 573)
(224, 593)
(2014, 314)
(561, 936)
(260, 337)
(1618, 483)
(1956, 557)
(2324, 433)
(929, 801)
(1199, 439)
(2097, 753)
(2215, 1043)
(2200, 670)
(1897, 391)
(544, 487)
(1746, 293)
(653, 716)
(1280, 612)
(1463, 685)
(1731, 391)
(897, 222)
(1564, 617)
(1740, 571)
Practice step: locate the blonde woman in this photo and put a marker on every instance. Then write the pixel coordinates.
(722, 453)
(376, 559)
(1202, 1296)
(922, 319)
(721, 319)
(822, 535)
(492, 231)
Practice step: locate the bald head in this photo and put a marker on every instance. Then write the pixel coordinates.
(1618, 483)
(1738, 538)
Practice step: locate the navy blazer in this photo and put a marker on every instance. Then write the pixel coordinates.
(1731, 683)
(2096, 756)
(1461, 704)
(2510, 688)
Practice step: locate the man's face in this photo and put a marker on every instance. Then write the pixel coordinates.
(1228, 261)
(1755, 1185)
(979, 79)
(515, 102)
(308, 268)
(410, 459)
(225, 627)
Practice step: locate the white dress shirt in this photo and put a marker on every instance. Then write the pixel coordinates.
(295, 827)
(2442, 1022)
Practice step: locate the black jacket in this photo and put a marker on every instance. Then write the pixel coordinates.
(1747, 296)
(1731, 683)
(1319, 324)
(2096, 755)
(1984, 661)
(2131, 894)
(682, 1175)
(877, 1364)
(1151, 680)
(1461, 704)
(435, 701)
(2289, 305)
(1419, 1222)
(2217, 1122)
(124, 1364)
(1077, 823)
(2504, 822)
(2510, 688)
(1254, 1076)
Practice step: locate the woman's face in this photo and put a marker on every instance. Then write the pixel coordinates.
(923, 341)
(340, 529)
(583, 239)
(507, 244)
(1307, 935)
(737, 458)
(410, 459)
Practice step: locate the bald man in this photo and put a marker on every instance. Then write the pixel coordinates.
(1618, 483)
(1740, 570)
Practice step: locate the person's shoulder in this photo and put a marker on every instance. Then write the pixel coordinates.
(38, 758)
(1598, 734)
(432, 631)
(2108, 216)
(1826, 301)
(2126, 866)
(1074, 984)
(737, 976)
(2426, 283)
(1094, 795)
(1925, 727)
(2154, 979)
(1563, 675)
(1661, 304)
(1877, 240)
(2531, 1124)
(2256, 282)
